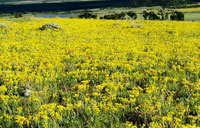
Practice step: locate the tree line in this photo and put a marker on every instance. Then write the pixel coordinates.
(157, 2)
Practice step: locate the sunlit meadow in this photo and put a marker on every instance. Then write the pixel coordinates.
(98, 73)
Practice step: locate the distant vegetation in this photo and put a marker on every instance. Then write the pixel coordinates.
(40, 1)
(162, 14)
(132, 15)
(88, 15)
(56, 7)
(116, 16)
(101, 9)
(157, 2)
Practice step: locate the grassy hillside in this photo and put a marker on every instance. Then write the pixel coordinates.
(55, 7)
(38, 1)
(96, 73)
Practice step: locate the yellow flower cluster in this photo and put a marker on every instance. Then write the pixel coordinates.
(99, 73)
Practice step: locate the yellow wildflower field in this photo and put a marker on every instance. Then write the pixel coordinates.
(99, 73)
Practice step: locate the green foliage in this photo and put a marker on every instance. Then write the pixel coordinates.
(162, 15)
(132, 14)
(156, 2)
(17, 14)
(150, 15)
(177, 16)
(88, 15)
(120, 16)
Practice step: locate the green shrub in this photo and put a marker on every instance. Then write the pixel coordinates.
(17, 14)
(120, 16)
(88, 15)
(150, 15)
(132, 15)
(176, 15)
(164, 14)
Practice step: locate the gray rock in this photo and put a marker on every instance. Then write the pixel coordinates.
(26, 93)
(2, 25)
(51, 26)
